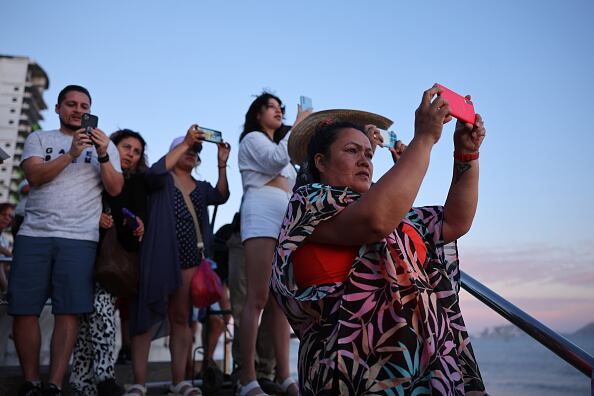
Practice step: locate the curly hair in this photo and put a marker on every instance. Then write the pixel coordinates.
(122, 134)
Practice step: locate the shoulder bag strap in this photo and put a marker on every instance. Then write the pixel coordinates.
(190, 206)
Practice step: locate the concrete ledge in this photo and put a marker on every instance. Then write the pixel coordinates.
(158, 374)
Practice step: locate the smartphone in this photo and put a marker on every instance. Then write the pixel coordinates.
(390, 138)
(305, 103)
(130, 219)
(460, 107)
(211, 135)
(89, 121)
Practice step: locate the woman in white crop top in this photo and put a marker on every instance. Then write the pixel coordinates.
(268, 178)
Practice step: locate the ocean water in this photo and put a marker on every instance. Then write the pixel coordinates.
(522, 366)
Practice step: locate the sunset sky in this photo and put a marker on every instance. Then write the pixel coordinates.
(157, 67)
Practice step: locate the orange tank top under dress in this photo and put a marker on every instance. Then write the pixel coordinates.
(317, 263)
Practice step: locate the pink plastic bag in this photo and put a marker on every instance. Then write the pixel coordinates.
(206, 287)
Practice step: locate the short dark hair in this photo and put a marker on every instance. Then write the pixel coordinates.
(68, 88)
(122, 134)
(251, 117)
(321, 141)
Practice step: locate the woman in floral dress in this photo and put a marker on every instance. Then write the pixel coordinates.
(370, 286)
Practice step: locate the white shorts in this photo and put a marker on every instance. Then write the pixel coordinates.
(262, 212)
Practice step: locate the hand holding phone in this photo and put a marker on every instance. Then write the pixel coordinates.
(460, 107)
(389, 138)
(88, 122)
(130, 219)
(305, 103)
(212, 135)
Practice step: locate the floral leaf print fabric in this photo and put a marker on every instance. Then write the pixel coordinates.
(394, 326)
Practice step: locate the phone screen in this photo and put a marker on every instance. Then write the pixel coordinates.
(390, 138)
(211, 135)
(305, 103)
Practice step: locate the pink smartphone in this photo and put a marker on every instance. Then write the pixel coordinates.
(460, 107)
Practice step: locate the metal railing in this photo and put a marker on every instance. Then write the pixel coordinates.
(554, 341)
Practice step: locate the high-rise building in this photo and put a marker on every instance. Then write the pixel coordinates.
(22, 82)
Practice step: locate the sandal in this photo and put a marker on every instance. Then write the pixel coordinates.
(286, 384)
(243, 390)
(184, 388)
(134, 390)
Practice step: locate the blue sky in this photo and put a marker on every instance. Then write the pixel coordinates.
(157, 67)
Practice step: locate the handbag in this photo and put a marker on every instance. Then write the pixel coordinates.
(206, 287)
(116, 268)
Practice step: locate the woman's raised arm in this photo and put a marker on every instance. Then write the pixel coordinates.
(382, 208)
(462, 200)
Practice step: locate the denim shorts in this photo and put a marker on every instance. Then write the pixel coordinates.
(44, 267)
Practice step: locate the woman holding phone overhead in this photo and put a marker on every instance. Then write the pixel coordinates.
(376, 307)
(177, 237)
(267, 178)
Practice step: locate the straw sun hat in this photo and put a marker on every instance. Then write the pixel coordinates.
(302, 133)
